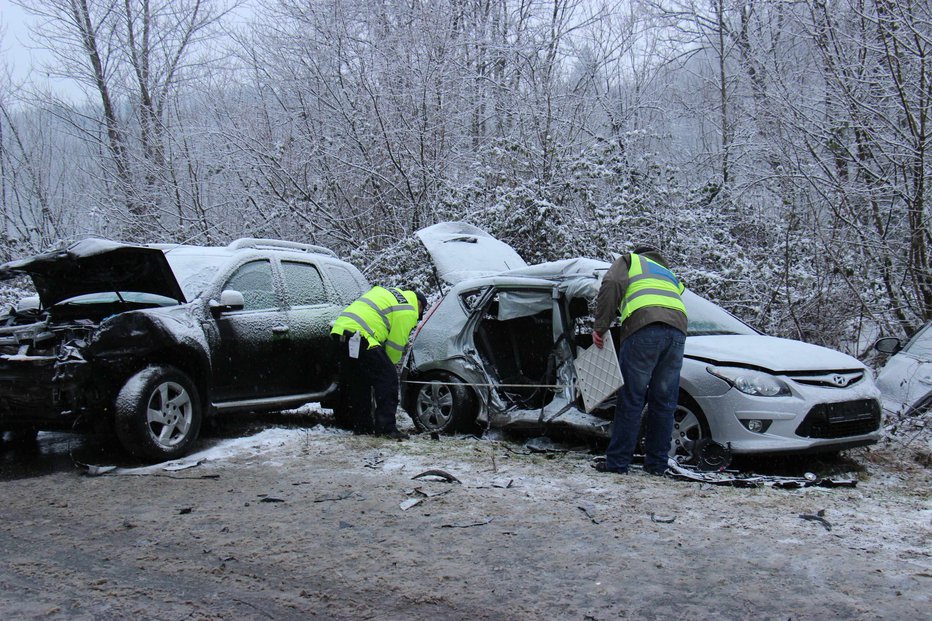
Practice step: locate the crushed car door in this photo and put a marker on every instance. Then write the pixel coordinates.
(311, 312)
(253, 349)
(514, 338)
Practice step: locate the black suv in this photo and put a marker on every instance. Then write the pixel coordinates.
(147, 340)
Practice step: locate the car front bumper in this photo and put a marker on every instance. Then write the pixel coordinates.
(811, 419)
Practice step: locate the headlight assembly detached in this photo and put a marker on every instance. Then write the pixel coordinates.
(751, 382)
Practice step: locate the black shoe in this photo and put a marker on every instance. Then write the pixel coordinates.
(657, 471)
(395, 435)
(603, 467)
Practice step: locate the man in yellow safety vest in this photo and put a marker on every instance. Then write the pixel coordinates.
(646, 294)
(372, 334)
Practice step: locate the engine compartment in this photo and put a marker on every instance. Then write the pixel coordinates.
(33, 334)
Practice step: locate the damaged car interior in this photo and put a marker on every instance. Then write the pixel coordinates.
(513, 338)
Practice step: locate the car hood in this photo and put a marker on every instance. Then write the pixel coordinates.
(94, 266)
(768, 352)
(462, 251)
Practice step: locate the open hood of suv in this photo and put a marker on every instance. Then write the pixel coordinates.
(95, 266)
(461, 251)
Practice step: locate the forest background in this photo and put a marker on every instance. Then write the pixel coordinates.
(778, 152)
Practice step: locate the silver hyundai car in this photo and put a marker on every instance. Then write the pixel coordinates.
(502, 347)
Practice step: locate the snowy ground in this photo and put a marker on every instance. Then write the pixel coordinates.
(293, 523)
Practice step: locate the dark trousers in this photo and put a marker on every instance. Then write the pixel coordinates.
(371, 375)
(651, 360)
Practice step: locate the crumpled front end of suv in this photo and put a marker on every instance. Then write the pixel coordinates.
(45, 380)
(49, 375)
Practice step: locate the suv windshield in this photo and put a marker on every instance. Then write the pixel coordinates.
(706, 318)
(194, 271)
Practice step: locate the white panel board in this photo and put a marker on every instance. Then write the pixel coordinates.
(598, 373)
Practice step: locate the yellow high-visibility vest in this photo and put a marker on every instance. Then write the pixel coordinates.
(650, 284)
(382, 317)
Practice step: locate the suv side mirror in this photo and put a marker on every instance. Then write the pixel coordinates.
(230, 300)
(888, 345)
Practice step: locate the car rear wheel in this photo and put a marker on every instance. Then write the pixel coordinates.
(690, 429)
(443, 403)
(158, 413)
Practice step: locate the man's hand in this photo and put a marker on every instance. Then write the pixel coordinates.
(597, 339)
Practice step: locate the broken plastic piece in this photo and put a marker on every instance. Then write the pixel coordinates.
(470, 525)
(734, 479)
(446, 476)
(589, 510)
(817, 518)
(92, 470)
(543, 444)
(183, 465)
(410, 502)
(711, 456)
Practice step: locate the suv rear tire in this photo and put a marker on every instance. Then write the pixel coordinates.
(158, 413)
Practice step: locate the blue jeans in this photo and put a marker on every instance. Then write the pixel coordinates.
(651, 360)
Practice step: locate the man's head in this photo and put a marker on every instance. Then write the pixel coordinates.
(421, 303)
(651, 253)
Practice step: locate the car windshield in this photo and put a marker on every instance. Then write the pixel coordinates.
(110, 297)
(920, 345)
(194, 270)
(707, 318)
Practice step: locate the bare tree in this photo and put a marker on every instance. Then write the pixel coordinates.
(131, 57)
(871, 145)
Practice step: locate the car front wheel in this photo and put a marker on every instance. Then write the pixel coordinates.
(443, 403)
(158, 413)
(690, 430)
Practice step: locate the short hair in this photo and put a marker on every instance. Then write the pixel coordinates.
(421, 303)
(645, 248)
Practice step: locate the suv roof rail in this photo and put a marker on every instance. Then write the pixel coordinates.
(278, 244)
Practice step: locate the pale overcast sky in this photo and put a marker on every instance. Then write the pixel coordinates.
(19, 58)
(15, 40)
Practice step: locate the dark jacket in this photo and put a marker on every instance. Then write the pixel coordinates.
(612, 292)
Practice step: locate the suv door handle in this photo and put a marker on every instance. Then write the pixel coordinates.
(280, 330)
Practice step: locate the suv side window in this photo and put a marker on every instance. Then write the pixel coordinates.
(348, 285)
(254, 281)
(303, 284)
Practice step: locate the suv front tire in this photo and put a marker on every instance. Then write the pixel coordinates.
(158, 413)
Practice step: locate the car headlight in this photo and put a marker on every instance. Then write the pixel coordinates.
(751, 382)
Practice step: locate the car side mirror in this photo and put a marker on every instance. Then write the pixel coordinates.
(888, 345)
(230, 300)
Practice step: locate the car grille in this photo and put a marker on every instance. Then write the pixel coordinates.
(828, 379)
(840, 420)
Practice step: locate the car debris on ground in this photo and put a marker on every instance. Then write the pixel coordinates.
(734, 478)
